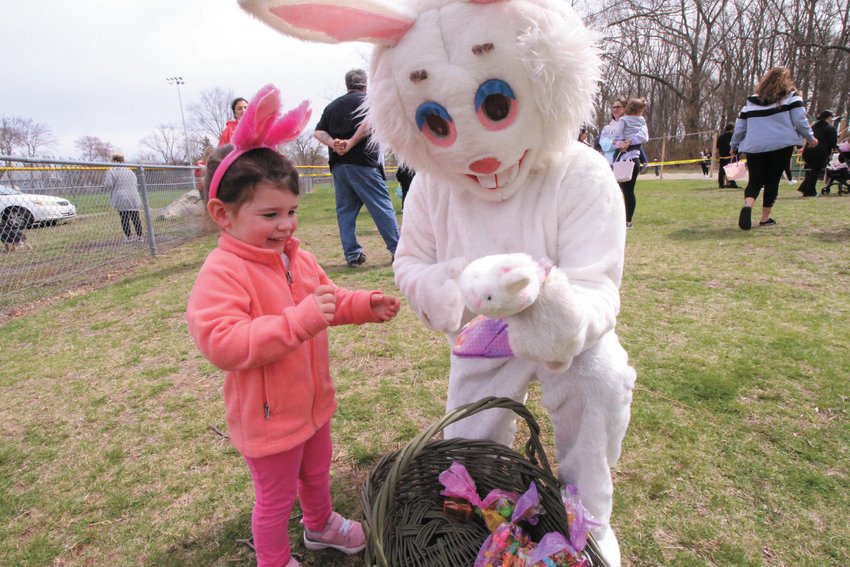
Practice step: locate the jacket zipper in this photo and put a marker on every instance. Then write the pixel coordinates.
(311, 345)
(267, 410)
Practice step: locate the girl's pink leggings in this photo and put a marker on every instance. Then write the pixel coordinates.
(304, 470)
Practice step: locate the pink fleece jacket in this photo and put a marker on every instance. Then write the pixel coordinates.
(259, 323)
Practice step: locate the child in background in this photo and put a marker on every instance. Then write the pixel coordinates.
(259, 310)
(632, 126)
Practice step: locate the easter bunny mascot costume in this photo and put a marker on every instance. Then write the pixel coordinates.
(484, 99)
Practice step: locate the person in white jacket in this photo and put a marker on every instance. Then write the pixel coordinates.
(123, 188)
(770, 124)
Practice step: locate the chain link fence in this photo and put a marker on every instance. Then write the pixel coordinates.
(59, 230)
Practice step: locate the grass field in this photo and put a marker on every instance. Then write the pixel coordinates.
(737, 453)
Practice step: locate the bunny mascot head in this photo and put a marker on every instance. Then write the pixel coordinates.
(484, 99)
(481, 92)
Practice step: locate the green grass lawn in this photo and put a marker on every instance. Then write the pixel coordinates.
(737, 453)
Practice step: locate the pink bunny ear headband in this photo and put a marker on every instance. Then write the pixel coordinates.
(262, 127)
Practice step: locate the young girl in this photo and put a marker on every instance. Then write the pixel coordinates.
(259, 310)
(632, 128)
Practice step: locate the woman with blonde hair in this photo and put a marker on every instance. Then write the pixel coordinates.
(771, 123)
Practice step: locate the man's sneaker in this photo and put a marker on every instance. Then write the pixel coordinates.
(768, 222)
(745, 219)
(340, 533)
(359, 261)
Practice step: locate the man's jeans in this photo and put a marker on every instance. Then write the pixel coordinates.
(355, 186)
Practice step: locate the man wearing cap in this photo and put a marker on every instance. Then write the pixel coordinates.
(356, 169)
(816, 158)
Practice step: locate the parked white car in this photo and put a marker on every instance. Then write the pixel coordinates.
(27, 209)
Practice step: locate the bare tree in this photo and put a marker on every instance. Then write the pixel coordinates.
(208, 116)
(11, 134)
(305, 150)
(148, 157)
(36, 136)
(92, 148)
(674, 45)
(697, 60)
(165, 142)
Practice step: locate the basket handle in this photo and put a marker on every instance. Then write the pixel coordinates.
(533, 450)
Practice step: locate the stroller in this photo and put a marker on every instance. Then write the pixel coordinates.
(838, 171)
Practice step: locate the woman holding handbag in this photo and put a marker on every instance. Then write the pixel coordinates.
(770, 124)
(612, 146)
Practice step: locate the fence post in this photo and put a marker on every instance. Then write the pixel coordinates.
(148, 220)
(663, 156)
(714, 157)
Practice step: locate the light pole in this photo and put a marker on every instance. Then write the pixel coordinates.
(179, 81)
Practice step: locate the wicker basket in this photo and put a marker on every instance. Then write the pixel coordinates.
(403, 517)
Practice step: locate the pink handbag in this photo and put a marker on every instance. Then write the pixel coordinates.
(736, 169)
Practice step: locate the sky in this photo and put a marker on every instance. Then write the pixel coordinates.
(99, 67)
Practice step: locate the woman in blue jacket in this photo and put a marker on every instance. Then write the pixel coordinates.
(769, 126)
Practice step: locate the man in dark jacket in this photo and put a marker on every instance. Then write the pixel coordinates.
(356, 168)
(724, 154)
(816, 158)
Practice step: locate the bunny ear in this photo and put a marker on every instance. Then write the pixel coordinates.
(290, 125)
(334, 21)
(515, 280)
(259, 117)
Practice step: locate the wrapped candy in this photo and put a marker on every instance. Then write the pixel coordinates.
(508, 545)
(458, 484)
(496, 507)
(579, 520)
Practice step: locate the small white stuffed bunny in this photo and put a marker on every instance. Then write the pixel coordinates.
(501, 285)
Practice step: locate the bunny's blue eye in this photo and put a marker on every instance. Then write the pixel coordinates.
(436, 124)
(496, 104)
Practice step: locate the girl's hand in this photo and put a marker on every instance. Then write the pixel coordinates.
(326, 301)
(385, 307)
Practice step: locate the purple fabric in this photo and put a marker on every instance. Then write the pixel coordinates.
(483, 337)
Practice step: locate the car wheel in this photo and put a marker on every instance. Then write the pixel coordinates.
(18, 217)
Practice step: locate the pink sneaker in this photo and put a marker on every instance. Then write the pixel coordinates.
(292, 562)
(340, 533)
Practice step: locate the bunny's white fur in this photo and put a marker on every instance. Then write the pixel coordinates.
(484, 99)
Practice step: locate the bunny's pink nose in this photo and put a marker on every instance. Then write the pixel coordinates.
(485, 166)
